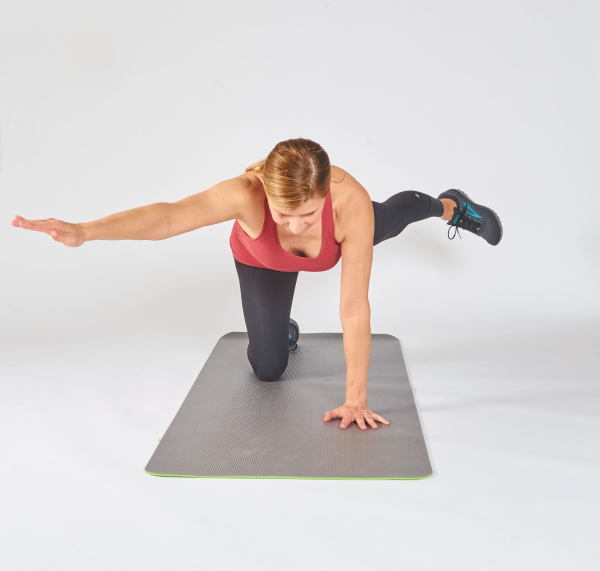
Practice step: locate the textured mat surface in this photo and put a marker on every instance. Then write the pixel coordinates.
(233, 425)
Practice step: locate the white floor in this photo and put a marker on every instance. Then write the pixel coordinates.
(510, 418)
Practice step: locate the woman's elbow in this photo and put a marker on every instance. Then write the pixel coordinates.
(360, 308)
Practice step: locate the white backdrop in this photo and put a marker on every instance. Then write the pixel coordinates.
(106, 106)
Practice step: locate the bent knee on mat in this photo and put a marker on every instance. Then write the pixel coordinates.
(269, 377)
(271, 362)
(272, 372)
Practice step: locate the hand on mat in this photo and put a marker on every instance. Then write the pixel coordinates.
(357, 413)
(68, 234)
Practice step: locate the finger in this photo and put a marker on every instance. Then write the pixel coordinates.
(331, 414)
(380, 418)
(346, 420)
(23, 222)
(39, 225)
(371, 421)
(37, 221)
(360, 420)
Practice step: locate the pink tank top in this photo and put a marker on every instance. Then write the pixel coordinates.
(265, 251)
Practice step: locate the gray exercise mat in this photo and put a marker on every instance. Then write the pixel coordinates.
(232, 425)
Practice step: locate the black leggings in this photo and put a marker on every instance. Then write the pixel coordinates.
(267, 295)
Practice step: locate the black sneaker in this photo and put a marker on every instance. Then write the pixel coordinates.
(468, 215)
(294, 335)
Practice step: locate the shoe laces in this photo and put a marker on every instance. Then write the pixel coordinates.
(455, 233)
(466, 223)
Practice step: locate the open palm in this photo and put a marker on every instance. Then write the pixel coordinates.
(68, 234)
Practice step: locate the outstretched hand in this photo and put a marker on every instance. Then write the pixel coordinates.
(355, 413)
(68, 234)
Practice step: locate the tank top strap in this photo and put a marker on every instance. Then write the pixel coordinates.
(269, 222)
(328, 216)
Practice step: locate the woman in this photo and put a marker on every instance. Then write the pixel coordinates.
(293, 211)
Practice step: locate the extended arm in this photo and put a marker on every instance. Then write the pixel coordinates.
(223, 201)
(143, 223)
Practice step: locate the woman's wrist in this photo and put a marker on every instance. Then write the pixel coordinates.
(83, 227)
(356, 390)
(356, 401)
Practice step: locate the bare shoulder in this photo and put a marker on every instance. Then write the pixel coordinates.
(251, 214)
(351, 204)
(251, 193)
(252, 183)
(346, 191)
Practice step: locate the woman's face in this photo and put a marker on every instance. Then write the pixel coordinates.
(300, 219)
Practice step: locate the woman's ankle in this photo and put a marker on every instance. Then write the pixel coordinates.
(449, 206)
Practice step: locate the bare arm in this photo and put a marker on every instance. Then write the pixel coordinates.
(162, 220)
(223, 201)
(142, 223)
(355, 310)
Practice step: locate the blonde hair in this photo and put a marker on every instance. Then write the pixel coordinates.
(295, 171)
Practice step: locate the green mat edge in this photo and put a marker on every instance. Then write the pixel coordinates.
(280, 477)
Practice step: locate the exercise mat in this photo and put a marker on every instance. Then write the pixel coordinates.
(232, 425)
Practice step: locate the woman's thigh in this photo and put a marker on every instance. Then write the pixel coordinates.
(267, 297)
(394, 214)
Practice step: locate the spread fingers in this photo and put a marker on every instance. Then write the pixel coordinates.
(380, 418)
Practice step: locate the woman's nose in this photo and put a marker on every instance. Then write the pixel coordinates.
(295, 227)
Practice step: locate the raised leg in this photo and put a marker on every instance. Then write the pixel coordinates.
(394, 214)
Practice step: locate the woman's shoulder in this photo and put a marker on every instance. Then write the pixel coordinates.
(348, 199)
(253, 182)
(345, 189)
(254, 190)
(252, 212)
